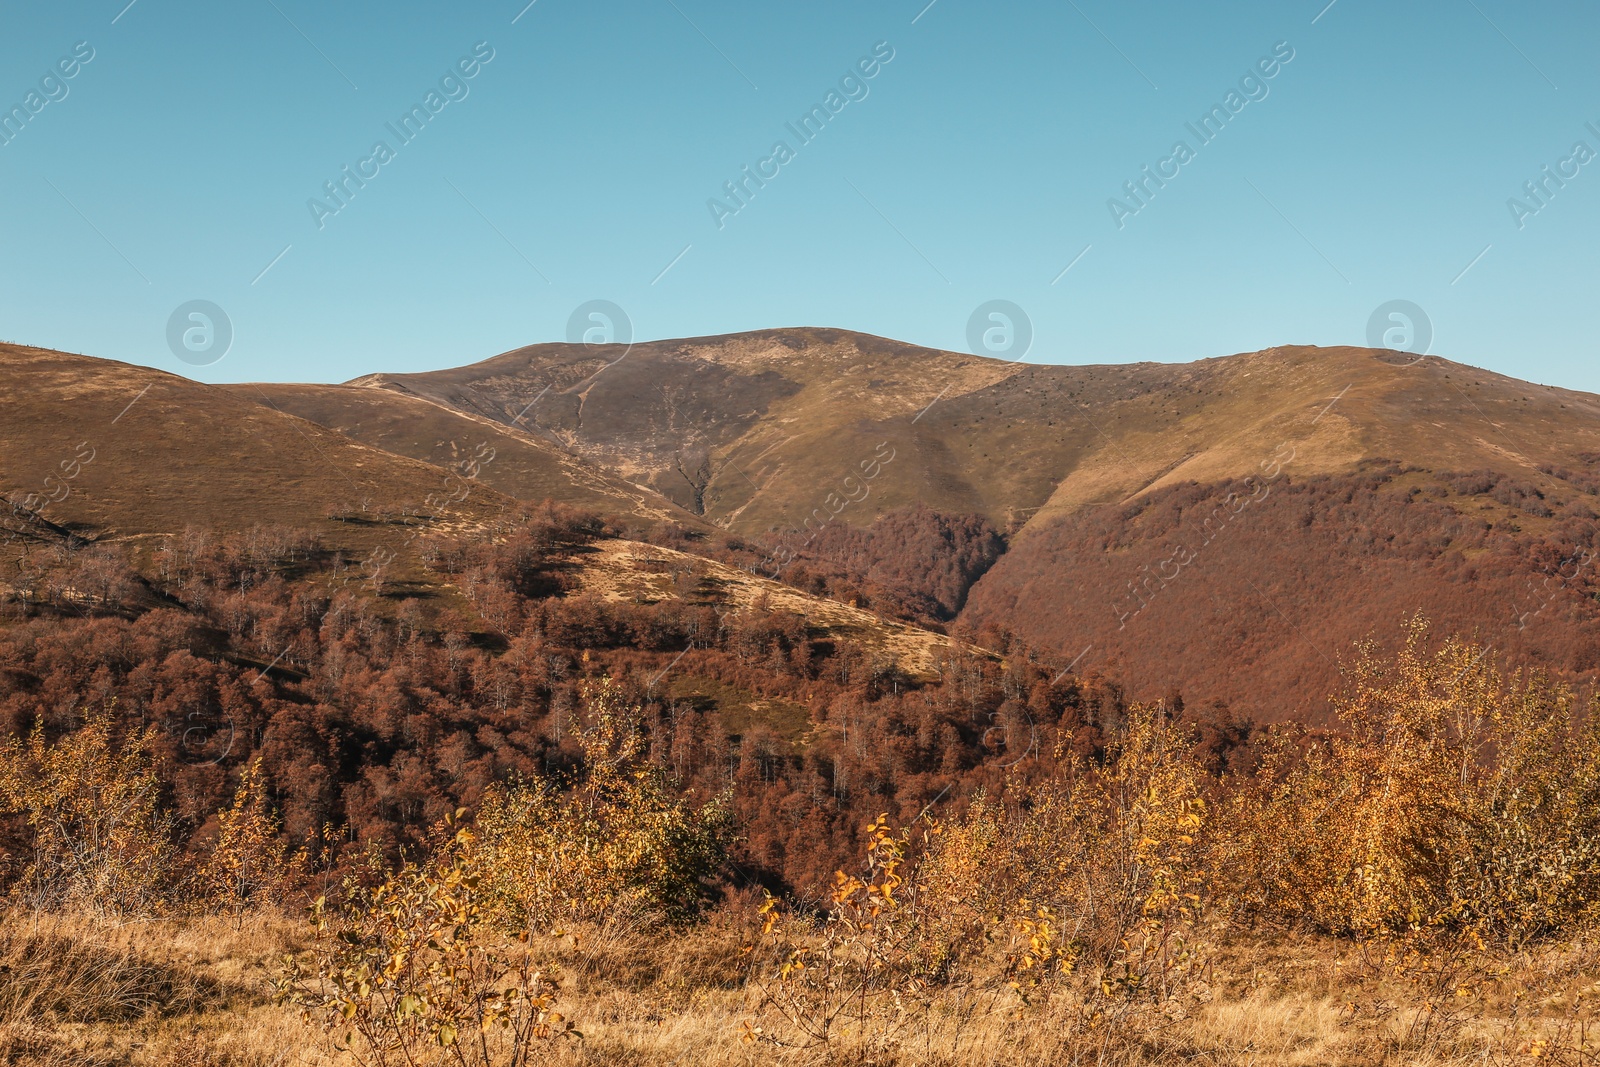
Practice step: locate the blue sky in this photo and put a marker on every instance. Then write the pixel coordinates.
(976, 164)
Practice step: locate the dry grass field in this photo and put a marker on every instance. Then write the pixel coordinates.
(81, 991)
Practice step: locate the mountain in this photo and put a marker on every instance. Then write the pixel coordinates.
(749, 429)
(1225, 529)
(1382, 485)
(1376, 489)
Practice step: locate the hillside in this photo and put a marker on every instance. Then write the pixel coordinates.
(515, 461)
(1133, 544)
(751, 430)
(117, 453)
(755, 430)
(1378, 489)
(1255, 595)
(1103, 476)
(621, 571)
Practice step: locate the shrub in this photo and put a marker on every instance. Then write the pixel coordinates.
(412, 972)
(248, 863)
(1089, 885)
(100, 841)
(860, 967)
(618, 845)
(1454, 798)
(436, 960)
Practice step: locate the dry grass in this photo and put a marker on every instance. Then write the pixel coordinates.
(188, 454)
(80, 992)
(76, 991)
(622, 571)
(525, 465)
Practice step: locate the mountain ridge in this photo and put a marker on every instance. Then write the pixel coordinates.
(1294, 476)
(702, 456)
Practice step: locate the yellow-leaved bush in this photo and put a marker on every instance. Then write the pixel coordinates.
(412, 972)
(248, 863)
(1454, 798)
(438, 960)
(1089, 881)
(619, 843)
(92, 800)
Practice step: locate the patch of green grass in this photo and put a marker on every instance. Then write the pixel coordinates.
(743, 710)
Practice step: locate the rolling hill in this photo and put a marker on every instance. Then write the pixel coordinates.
(113, 452)
(520, 463)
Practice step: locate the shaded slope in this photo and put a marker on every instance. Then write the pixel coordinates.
(1254, 593)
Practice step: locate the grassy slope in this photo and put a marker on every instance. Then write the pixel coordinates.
(524, 464)
(230, 458)
(1280, 593)
(751, 430)
(620, 570)
(189, 454)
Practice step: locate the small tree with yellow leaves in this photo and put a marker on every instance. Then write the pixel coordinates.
(413, 972)
(101, 841)
(438, 960)
(1090, 886)
(249, 863)
(859, 975)
(618, 846)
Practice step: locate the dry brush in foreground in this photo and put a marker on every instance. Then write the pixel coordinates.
(1418, 889)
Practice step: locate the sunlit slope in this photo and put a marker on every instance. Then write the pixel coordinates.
(115, 451)
(522, 463)
(751, 430)
(755, 431)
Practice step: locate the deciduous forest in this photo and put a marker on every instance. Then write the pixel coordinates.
(482, 813)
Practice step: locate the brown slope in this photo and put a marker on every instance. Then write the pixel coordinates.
(520, 464)
(754, 431)
(751, 430)
(130, 452)
(151, 453)
(1100, 472)
(1142, 558)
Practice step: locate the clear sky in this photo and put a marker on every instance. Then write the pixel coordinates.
(976, 164)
